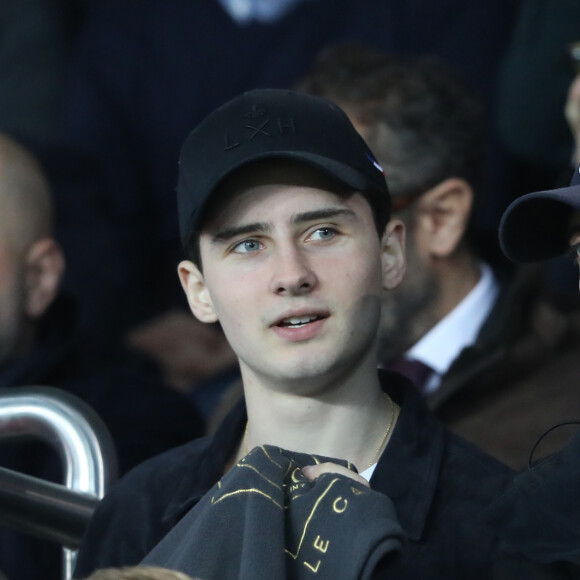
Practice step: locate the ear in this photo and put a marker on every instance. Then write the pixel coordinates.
(393, 254)
(197, 292)
(44, 268)
(443, 215)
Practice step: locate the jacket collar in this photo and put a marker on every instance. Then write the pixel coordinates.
(407, 472)
(213, 458)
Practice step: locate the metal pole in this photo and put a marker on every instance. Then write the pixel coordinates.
(73, 429)
(44, 509)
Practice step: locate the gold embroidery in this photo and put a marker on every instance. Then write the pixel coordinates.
(320, 545)
(311, 567)
(294, 478)
(321, 497)
(239, 491)
(265, 452)
(335, 506)
(262, 476)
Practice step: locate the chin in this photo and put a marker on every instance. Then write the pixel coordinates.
(309, 370)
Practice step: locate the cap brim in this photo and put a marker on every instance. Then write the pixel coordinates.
(341, 173)
(534, 227)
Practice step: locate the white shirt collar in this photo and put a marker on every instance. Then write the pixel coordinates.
(368, 472)
(459, 329)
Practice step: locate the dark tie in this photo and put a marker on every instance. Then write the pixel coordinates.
(415, 370)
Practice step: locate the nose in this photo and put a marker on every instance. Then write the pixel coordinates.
(293, 274)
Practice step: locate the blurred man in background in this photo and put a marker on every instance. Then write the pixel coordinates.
(463, 325)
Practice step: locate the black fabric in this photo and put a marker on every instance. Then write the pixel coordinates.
(530, 228)
(264, 519)
(273, 124)
(416, 371)
(438, 483)
(143, 416)
(537, 63)
(540, 515)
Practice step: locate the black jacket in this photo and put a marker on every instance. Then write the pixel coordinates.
(265, 519)
(438, 483)
(540, 515)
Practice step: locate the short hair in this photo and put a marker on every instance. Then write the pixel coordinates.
(421, 120)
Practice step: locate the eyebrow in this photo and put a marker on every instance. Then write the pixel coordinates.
(319, 214)
(304, 217)
(235, 231)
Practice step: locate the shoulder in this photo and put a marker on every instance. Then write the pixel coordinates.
(135, 513)
(441, 486)
(165, 471)
(144, 416)
(462, 454)
(469, 477)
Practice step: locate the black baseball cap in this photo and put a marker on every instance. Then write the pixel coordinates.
(534, 226)
(273, 124)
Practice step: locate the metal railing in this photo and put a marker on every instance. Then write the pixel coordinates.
(47, 510)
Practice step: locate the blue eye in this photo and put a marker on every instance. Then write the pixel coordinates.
(247, 246)
(323, 234)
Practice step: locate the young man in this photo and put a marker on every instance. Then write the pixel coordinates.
(284, 213)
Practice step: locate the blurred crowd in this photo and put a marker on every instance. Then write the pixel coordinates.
(466, 105)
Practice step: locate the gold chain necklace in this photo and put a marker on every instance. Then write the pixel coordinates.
(377, 452)
(245, 440)
(384, 438)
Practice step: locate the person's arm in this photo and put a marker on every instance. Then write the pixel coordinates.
(539, 517)
(534, 81)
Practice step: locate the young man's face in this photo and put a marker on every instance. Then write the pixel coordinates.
(294, 273)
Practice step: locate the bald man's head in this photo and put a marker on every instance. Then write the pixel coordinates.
(25, 203)
(31, 261)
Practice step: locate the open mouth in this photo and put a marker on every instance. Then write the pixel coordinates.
(298, 321)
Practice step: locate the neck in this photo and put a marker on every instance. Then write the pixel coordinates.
(346, 419)
(457, 276)
(425, 301)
